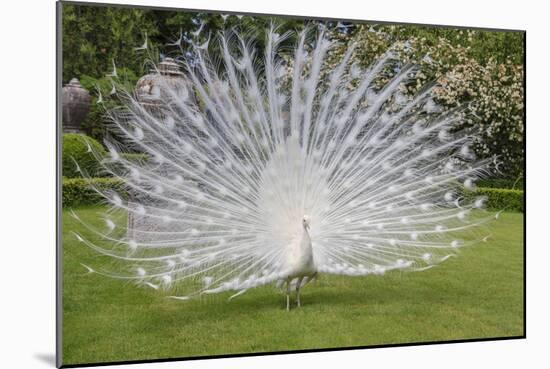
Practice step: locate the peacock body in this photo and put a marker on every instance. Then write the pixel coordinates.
(258, 176)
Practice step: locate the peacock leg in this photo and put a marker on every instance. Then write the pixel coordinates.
(298, 291)
(288, 295)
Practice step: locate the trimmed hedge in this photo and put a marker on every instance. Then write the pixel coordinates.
(77, 191)
(75, 148)
(135, 157)
(500, 198)
(501, 183)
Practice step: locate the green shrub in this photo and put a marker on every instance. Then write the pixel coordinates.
(75, 148)
(499, 198)
(80, 191)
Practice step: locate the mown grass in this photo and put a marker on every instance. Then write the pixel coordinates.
(477, 295)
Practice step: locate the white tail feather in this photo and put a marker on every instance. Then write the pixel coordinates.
(234, 166)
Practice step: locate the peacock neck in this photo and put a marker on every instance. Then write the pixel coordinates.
(305, 244)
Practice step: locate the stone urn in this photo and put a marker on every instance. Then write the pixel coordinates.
(151, 89)
(75, 101)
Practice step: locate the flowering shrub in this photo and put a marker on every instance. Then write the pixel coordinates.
(492, 89)
(480, 70)
(496, 94)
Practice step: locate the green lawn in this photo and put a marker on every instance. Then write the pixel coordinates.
(479, 294)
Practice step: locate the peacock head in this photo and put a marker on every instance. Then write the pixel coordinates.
(305, 222)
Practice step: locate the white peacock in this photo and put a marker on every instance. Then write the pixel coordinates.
(260, 181)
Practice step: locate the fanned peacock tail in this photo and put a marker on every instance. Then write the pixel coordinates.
(238, 153)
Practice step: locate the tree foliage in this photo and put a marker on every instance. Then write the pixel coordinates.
(484, 67)
(96, 36)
